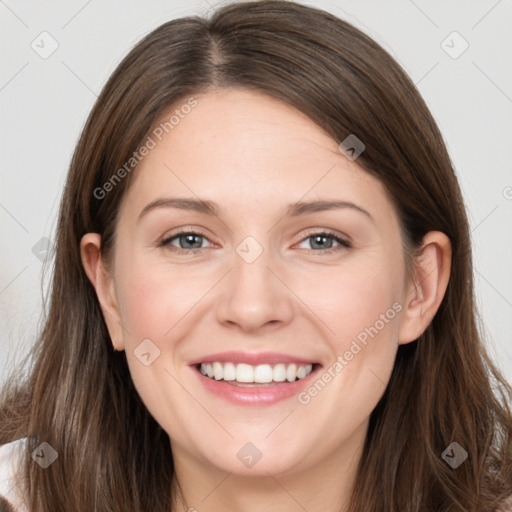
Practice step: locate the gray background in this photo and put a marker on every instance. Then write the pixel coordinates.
(44, 103)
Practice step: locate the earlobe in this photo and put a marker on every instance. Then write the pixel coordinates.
(426, 287)
(103, 284)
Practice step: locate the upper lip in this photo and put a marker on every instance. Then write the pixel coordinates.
(251, 358)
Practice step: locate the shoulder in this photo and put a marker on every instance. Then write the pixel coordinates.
(507, 506)
(10, 456)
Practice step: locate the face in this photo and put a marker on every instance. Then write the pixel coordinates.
(291, 303)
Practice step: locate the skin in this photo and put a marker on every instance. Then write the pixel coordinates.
(253, 155)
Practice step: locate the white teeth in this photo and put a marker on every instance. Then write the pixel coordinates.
(261, 374)
(244, 373)
(301, 372)
(279, 373)
(291, 372)
(217, 371)
(229, 371)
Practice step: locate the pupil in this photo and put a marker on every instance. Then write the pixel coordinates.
(320, 241)
(190, 239)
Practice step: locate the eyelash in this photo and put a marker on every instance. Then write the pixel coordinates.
(343, 244)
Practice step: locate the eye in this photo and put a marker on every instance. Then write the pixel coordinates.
(189, 242)
(324, 241)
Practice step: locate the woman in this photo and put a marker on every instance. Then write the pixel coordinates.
(315, 348)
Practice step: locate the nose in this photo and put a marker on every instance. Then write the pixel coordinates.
(254, 295)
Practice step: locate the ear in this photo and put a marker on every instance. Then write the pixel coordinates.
(426, 287)
(103, 283)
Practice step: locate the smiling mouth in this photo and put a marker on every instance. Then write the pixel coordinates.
(247, 375)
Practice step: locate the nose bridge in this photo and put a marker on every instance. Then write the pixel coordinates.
(253, 295)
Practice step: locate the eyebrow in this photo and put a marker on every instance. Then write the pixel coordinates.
(206, 207)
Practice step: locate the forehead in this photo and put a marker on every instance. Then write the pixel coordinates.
(251, 151)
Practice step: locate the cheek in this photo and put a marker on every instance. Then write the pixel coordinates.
(352, 299)
(157, 304)
(360, 309)
(153, 299)
(346, 301)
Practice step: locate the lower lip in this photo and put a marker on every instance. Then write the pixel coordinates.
(256, 395)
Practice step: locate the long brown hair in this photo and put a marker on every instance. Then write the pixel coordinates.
(78, 395)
